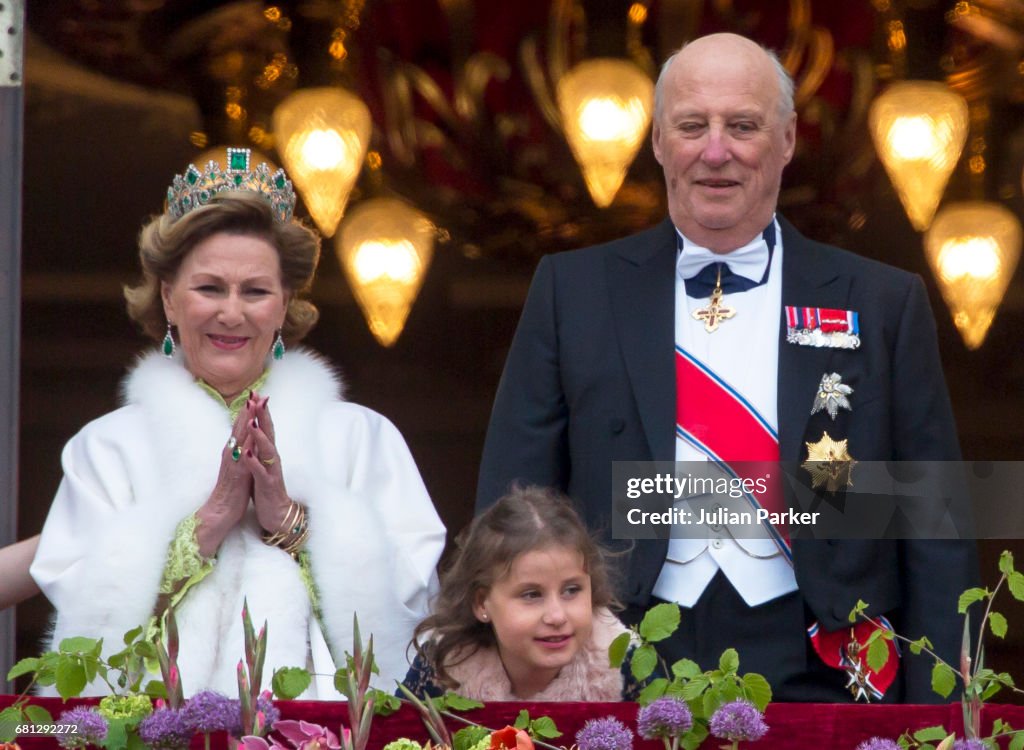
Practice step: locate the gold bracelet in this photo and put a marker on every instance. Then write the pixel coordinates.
(291, 540)
(290, 519)
(294, 519)
(295, 547)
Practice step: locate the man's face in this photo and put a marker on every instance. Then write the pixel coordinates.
(722, 141)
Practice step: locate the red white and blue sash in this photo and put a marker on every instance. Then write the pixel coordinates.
(718, 421)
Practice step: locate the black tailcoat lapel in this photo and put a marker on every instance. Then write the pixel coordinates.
(641, 284)
(807, 281)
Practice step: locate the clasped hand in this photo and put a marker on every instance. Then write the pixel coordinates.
(250, 469)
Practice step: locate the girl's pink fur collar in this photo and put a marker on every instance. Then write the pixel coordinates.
(588, 677)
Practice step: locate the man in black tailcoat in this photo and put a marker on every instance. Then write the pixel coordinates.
(603, 363)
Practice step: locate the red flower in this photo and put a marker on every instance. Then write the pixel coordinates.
(510, 738)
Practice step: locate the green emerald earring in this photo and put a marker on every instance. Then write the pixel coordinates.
(278, 348)
(168, 343)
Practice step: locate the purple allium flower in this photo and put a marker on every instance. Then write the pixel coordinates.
(878, 743)
(969, 745)
(738, 721)
(604, 734)
(165, 729)
(208, 712)
(665, 717)
(270, 712)
(91, 728)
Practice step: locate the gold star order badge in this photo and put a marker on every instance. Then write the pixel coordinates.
(829, 463)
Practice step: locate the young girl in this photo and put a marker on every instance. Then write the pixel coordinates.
(523, 611)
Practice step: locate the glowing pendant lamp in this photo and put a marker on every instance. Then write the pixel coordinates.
(919, 129)
(385, 247)
(606, 106)
(322, 135)
(973, 249)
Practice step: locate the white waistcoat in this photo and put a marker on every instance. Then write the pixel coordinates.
(744, 353)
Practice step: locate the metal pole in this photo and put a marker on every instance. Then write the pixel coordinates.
(12, 26)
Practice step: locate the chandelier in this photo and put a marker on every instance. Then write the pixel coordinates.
(517, 131)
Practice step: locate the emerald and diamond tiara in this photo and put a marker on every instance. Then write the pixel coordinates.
(195, 188)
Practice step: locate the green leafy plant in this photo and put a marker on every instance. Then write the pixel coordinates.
(250, 674)
(167, 657)
(76, 663)
(353, 682)
(430, 715)
(433, 712)
(542, 728)
(704, 691)
(469, 737)
(979, 684)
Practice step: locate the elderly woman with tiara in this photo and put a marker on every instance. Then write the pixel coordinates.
(235, 470)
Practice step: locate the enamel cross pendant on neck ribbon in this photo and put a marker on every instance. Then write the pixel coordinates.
(714, 312)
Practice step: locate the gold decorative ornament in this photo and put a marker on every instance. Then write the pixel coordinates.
(829, 463)
(714, 312)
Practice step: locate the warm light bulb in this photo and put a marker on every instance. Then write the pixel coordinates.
(322, 135)
(385, 247)
(973, 249)
(974, 257)
(606, 119)
(322, 149)
(377, 260)
(919, 129)
(914, 138)
(606, 107)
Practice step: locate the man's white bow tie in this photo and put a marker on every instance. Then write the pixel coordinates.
(748, 261)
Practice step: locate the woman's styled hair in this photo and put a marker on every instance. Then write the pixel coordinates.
(526, 519)
(165, 242)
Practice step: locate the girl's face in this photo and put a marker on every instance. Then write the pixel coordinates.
(541, 612)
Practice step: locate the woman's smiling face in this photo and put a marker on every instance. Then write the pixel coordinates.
(227, 302)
